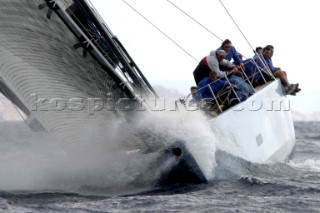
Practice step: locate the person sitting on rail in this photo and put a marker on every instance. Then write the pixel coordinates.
(231, 54)
(213, 88)
(211, 63)
(252, 67)
(257, 51)
(236, 77)
(194, 99)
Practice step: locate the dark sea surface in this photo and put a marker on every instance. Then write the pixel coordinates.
(27, 166)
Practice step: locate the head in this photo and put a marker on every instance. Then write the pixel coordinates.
(220, 55)
(226, 45)
(240, 55)
(267, 52)
(258, 50)
(212, 76)
(193, 90)
(270, 46)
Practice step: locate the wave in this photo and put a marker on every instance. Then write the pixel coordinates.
(309, 164)
(253, 180)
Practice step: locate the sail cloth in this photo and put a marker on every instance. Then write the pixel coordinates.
(38, 62)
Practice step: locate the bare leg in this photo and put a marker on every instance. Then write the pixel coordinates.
(282, 76)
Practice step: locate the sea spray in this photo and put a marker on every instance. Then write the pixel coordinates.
(192, 127)
(111, 155)
(35, 161)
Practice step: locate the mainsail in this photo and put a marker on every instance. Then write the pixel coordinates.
(61, 64)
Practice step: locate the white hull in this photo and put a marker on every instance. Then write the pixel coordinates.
(261, 126)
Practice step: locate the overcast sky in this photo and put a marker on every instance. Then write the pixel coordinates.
(291, 26)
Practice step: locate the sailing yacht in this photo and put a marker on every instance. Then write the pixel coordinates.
(61, 64)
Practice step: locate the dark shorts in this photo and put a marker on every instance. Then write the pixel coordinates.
(201, 71)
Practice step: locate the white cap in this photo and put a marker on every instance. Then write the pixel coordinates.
(222, 52)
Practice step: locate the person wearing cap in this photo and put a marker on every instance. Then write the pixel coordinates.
(211, 63)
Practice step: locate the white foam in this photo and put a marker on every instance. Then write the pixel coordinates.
(309, 164)
(100, 159)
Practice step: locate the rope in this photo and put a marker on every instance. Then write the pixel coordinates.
(236, 24)
(160, 31)
(195, 20)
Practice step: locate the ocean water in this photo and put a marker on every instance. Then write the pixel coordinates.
(35, 176)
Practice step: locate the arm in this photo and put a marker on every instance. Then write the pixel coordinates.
(233, 70)
(235, 56)
(270, 64)
(220, 73)
(214, 65)
(227, 63)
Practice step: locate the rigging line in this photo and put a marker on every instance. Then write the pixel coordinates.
(195, 20)
(236, 24)
(161, 31)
